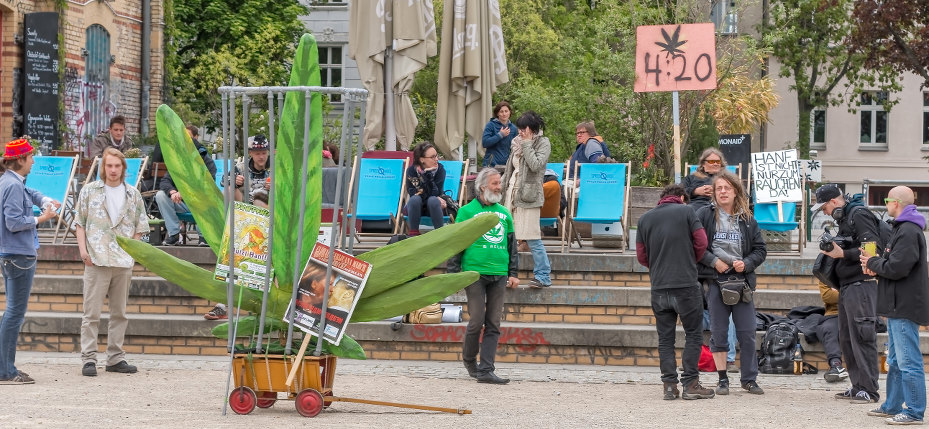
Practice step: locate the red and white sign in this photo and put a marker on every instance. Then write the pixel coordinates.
(678, 57)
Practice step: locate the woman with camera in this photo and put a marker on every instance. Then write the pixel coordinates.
(735, 248)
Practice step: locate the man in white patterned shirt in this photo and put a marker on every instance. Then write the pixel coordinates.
(107, 208)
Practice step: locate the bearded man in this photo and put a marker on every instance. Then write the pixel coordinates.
(494, 257)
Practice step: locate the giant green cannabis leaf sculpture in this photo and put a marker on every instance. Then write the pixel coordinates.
(392, 288)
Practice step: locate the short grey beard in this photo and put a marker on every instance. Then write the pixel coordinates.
(491, 197)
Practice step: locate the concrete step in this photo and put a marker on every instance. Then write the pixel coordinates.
(560, 303)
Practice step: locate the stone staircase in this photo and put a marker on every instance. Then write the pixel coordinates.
(597, 312)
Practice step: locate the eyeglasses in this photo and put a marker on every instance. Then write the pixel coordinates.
(434, 156)
(888, 200)
(580, 133)
(714, 161)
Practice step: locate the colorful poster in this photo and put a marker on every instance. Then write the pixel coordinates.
(348, 278)
(251, 247)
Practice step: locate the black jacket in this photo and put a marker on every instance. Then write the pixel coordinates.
(858, 226)
(754, 250)
(903, 275)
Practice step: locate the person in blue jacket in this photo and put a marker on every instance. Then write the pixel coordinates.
(498, 134)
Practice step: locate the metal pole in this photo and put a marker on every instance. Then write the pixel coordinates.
(231, 341)
(267, 284)
(677, 136)
(390, 127)
(298, 269)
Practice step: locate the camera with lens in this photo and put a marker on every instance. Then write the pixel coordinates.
(827, 241)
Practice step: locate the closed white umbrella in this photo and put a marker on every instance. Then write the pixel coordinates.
(472, 64)
(390, 40)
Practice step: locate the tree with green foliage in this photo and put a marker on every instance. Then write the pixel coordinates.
(221, 42)
(812, 41)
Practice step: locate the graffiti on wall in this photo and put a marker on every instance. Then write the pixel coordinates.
(525, 339)
(88, 109)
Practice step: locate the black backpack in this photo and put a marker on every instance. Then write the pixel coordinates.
(883, 228)
(777, 348)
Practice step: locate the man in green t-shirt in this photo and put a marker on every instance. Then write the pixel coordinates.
(494, 257)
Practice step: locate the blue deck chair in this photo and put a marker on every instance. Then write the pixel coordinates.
(380, 185)
(734, 169)
(558, 168)
(52, 176)
(453, 187)
(602, 197)
(766, 215)
(134, 168)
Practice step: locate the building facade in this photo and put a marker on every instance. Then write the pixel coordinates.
(113, 65)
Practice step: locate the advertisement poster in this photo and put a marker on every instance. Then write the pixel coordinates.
(348, 278)
(251, 247)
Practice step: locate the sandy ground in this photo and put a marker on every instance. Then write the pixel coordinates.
(172, 391)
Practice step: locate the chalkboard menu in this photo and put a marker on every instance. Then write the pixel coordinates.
(40, 103)
(737, 148)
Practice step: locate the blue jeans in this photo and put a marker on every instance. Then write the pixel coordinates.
(169, 210)
(906, 379)
(415, 208)
(18, 271)
(542, 268)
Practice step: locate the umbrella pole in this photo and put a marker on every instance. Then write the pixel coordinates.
(390, 127)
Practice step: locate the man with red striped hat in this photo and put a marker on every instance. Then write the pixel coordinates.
(19, 241)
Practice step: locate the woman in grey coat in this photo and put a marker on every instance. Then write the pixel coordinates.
(522, 190)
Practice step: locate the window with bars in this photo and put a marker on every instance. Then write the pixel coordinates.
(725, 17)
(873, 125)
(96, 93)
(330, 69)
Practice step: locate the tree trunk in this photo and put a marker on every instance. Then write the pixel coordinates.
(803, 127)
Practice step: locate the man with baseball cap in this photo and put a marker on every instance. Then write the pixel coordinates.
(857, 290)
(19, 241)
(258, 168)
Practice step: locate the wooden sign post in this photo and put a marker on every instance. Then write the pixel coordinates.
(676, 57)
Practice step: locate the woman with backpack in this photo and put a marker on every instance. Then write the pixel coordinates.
(735, 248)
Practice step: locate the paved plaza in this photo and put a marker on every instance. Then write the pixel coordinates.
(189, 391)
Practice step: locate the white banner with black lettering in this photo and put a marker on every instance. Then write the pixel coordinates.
(777, 176)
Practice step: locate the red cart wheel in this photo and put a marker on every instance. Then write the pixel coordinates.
(309, 403)
(242, 400)
(266, 399)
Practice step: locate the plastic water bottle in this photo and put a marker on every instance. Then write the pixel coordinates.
(883, 358)
(797, 359)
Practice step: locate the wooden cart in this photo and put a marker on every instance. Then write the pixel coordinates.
(259, 378)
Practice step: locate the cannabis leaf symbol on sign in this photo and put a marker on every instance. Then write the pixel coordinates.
(671, 43)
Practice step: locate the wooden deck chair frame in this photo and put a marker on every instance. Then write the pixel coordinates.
(557, 221)
(570, 234)
(802, 206)
(72, 205)
(69, 191)
(461, 188)
(353, 197)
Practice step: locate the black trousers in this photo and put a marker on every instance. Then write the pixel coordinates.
(668, 305)
(858, 335)
(828, 333)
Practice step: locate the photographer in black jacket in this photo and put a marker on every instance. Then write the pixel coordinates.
(857, 292)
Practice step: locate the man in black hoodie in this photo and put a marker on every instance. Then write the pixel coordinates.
(903, 297)
(857, 291)
(669, 241)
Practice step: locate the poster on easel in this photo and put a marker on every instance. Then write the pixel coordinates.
(252, 225)
(348, 278)
(777, 176)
